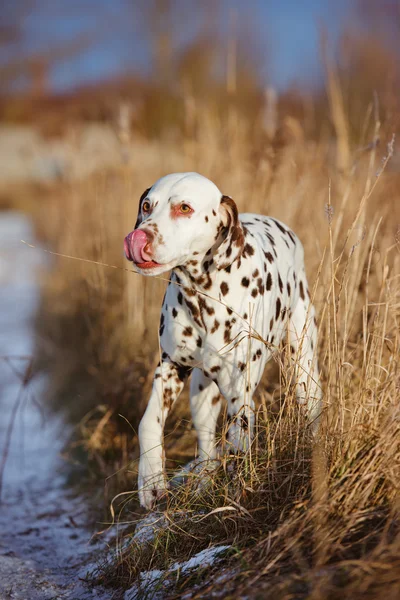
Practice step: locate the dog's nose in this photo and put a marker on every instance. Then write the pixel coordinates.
(137, 246)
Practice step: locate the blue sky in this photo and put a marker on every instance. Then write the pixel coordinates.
(288, 30)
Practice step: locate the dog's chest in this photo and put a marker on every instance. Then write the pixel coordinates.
(196, 327)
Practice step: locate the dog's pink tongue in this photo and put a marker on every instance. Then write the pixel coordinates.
(138, 240)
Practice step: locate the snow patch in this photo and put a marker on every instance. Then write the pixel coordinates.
(147, 528)
(150, 580)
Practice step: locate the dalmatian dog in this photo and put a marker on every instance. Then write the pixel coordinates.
(237, 288)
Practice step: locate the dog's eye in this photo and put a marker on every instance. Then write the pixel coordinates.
(185, 209)
(146, 206)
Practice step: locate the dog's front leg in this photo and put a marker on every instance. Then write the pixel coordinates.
(168, 383)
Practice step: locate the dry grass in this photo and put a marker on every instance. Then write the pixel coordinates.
(307, 521)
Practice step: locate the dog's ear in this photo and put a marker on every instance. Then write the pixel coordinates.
(231, 246)
(142, 197)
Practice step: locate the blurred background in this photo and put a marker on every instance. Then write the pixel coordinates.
(285, 105)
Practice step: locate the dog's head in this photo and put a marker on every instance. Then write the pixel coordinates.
(180, 218)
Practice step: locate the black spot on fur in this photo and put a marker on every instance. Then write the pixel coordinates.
(245, 282)
(280, 283)
(302, 296)
(244, 422)
(278, 308)
(248, 250)
(224, 288)
(183, 372)
(188, 331)
(260, 286)
(162, 320)
(279, 226)
(215, 326)
(269, 282)
(227, 335)
(269, 257)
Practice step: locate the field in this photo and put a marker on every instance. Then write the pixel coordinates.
(302, 518)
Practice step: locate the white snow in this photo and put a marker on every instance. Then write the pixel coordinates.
(150, 580)
(147, 528)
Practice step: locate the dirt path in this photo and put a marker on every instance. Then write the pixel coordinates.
(45, 545)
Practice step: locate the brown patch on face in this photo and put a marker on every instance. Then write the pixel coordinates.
(176, 213)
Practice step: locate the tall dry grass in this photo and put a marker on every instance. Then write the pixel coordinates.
(318, 521)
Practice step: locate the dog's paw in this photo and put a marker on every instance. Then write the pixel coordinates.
(152, 488)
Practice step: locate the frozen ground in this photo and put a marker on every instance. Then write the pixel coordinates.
(45, 546)
(155, 584)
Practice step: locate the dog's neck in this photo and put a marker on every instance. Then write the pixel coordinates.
(198, 272)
